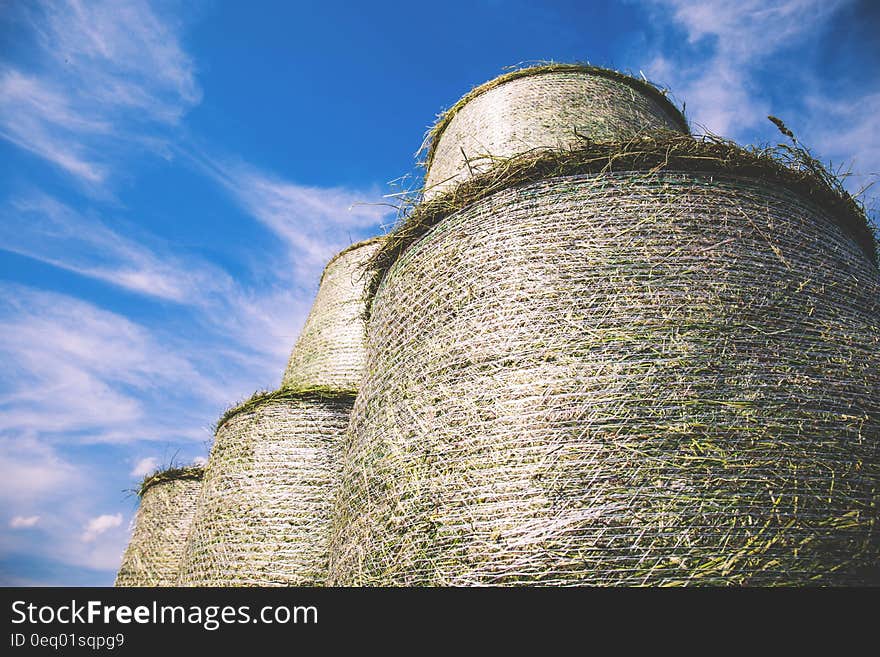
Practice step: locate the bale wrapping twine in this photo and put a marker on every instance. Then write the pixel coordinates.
(550, 106)
(624, 377)
(263, 516)
(167, 505)
(329, 351)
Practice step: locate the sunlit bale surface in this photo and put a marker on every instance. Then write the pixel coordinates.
(550, 106)
(167, 505)
(263, 516)
(620, 378)
(330, 350)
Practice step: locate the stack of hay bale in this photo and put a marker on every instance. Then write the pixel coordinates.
(167, 506)
(606, 352)
(599, 351)
(264, 512)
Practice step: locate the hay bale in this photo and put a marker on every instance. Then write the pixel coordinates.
(624, 377)
(550, 106)
(167, 505)
(263, 517)
(329, 351)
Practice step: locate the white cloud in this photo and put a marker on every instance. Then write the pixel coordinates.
(145, 466)
(99, 525)
(62, 495)
(73, 368)
(728, 91)
(38, 118)
(721, 92)
(848, 133)
(749, 29)
(313, 222)
(253, 324)
(24, 522)
(108, 74)
(42, 228)
(33, 472)
(200, 460)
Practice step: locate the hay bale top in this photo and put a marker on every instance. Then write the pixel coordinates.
(329, 349)
(188, 472)
(789, 167)
(432, 138)
(346, 251)
(312, 393)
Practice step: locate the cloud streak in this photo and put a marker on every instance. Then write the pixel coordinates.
(721, 91)
(313, 222)
(724, 76)
(106, 75)
(75, 369)
(42, 228)
(145, 466)
(99, 525)
(24, 522)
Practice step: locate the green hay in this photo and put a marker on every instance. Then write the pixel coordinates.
(654, 92)
(789, 167)
(313, 393)
(170, 474)
(168, 500)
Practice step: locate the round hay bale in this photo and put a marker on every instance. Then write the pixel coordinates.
(330, 350)
(263, 516)
(550, 106)
(167, 505)
(623, 377)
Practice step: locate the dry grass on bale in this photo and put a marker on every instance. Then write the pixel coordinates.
(550, 105)
(330, 351)
(648, 362)
(167, 505)
(263, 517)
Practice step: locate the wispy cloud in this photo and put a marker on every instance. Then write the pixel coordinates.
(106, 80)
(106, 73)
(40, 227)
(34, 473)
(314, 222)
(39, 118)
(724, 75)
(24, 522)
(99, 525)
(145, 466)
(76, 369)
(721, 91)
(848, 132)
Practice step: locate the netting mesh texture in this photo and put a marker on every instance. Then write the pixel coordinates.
(623, 378)
(264, 513)
(161, 525)
(329, 351)
(547, 110)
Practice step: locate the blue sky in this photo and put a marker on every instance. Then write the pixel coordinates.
(175, 175)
